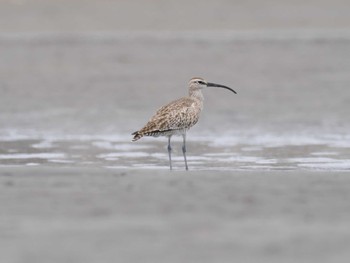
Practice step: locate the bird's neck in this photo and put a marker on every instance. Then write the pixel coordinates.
(196, 94)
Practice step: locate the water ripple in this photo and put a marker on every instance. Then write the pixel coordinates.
(259, 153)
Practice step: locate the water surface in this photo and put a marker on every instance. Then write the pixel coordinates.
(73, 100)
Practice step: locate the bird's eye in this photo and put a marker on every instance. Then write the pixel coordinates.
(201, 82)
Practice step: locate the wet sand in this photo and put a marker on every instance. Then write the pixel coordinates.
(100, 215)
(269, 167)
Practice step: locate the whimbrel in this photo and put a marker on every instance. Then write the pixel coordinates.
(177, 117)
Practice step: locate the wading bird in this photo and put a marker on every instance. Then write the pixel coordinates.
(177, 117)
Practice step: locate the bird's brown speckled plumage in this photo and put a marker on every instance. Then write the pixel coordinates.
(173, 118)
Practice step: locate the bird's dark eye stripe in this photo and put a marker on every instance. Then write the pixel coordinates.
(201, 82)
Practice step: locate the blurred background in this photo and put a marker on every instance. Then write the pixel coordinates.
(154, 15)
(75, 68)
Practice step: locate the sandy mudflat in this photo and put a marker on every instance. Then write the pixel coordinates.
(102, 215)
(77, 77)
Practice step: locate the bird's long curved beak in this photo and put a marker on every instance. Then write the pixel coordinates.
(220, 86)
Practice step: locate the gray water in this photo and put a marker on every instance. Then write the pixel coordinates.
(74, 99)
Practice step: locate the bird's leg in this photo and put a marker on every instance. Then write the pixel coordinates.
(169, 152)
(184, 149)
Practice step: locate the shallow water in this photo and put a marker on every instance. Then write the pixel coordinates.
(73, 100)
(209, 153)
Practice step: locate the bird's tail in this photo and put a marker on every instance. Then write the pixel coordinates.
(137, 136)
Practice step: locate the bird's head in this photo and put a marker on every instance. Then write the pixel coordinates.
(199, 83)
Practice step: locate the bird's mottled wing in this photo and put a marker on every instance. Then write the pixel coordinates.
(177, 115)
